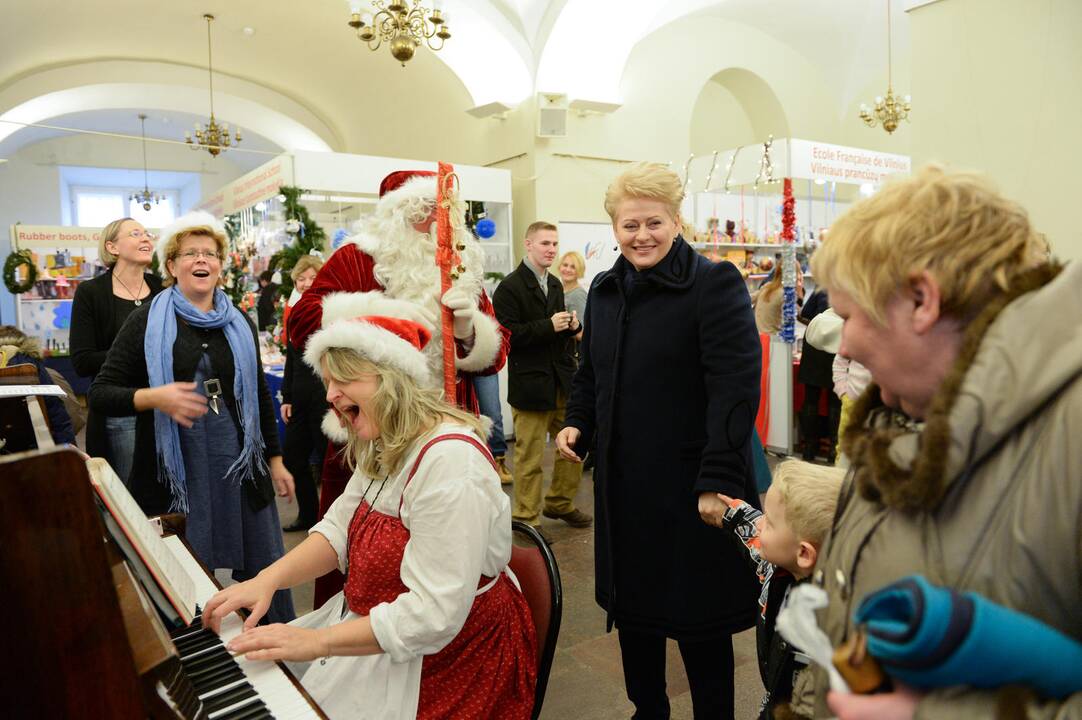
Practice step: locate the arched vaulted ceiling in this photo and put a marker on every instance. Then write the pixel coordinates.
(302, 81)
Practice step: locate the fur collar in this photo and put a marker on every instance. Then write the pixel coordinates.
(874, 429)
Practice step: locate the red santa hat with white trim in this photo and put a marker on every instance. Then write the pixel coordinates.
(382, 339)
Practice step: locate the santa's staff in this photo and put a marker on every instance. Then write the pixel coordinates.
(448, 262)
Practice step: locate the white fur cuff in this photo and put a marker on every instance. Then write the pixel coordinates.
(332, 428)
(486, 344)
(349, 306)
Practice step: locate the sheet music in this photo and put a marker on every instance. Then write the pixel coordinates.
(21, 390)
(172, 577)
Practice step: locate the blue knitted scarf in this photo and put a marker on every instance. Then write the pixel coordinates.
(158, 343)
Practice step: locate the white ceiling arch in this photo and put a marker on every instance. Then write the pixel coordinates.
(587, 49)
(60, 91)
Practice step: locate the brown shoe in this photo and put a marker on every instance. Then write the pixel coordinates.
(575, 518)
(502, 471)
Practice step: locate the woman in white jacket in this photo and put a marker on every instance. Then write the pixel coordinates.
(431, 622)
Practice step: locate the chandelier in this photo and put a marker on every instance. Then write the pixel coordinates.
(145, 196)
(889, 110)
(403, 27)
(213, 138)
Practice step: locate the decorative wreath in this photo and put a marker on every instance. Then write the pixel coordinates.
(17, 259)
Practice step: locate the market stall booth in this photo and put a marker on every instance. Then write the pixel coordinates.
(761, 206)
(45, 268)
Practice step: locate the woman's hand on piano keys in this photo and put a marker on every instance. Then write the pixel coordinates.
(279, 642)
(254, 595)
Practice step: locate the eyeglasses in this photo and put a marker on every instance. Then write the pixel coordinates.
(193, 254)
(137, 233)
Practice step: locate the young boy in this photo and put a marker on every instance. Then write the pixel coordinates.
(783, 544)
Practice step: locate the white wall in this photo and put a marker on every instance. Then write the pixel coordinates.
(682, 91)
(996, 88)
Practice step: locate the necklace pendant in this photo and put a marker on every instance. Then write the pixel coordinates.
(214, 391)
(138, 302)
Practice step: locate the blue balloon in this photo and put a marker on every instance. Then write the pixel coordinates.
(486, 228)
(339, 237)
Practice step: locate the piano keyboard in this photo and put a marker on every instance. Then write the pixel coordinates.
(231, 687)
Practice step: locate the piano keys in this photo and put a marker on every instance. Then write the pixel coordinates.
(83, 638)
(274, 686)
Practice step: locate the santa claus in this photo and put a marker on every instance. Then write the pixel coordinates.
(389, 269)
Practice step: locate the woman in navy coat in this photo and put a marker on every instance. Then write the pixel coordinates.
(668, 386)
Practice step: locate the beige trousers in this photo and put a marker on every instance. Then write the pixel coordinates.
(531, 429)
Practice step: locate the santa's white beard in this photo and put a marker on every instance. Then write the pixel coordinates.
(405, 265)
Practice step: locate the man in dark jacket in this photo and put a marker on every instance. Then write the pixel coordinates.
(530, 303)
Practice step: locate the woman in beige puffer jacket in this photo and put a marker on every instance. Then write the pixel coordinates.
(966, 467)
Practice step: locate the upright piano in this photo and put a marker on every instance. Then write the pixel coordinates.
(82, 638)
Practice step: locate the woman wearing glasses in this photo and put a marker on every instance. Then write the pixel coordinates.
(99, 310)
(187, 365)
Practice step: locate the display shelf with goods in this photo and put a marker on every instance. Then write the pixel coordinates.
(63, 257)
(743, 204)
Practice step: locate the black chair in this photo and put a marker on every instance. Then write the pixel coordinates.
(535, 567)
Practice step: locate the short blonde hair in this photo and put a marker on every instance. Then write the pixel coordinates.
(645, 181)
(172, 249)
(109, 234)
(954, 225)
(577, 260)
(403, 411)
(810, 495)
(304, 264)
(536, 227)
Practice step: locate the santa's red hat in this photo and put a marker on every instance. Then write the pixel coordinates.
(382, 339)
(399, 178)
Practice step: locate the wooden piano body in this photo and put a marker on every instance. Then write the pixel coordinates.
(81, 637)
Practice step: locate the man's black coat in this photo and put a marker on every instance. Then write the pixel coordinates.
(541, 360)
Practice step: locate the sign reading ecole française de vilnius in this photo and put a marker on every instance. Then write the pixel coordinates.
(837, 163)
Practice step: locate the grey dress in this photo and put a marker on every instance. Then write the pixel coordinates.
(575, 301)
(223, 529)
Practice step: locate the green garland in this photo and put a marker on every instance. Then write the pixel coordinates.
(17, 259)
(313, 237)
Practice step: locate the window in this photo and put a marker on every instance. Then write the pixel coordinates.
(159, 215)
(99, 206)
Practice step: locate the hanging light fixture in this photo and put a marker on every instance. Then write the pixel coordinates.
(402, 26)
(214, 138)
(888, 110)
(146, 197)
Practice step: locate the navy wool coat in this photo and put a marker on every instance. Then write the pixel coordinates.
(668, 388)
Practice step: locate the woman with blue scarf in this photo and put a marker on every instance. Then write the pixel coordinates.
(187, 365)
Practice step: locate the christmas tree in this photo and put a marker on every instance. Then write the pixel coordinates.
(305, 233)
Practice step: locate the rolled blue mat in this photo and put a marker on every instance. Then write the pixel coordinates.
(931, 637)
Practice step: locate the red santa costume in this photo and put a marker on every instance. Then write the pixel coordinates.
(389, 268)
(426, 551)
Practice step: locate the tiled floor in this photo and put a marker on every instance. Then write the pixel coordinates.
(586, 682)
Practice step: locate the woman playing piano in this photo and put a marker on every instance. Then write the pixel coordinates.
(431, 623)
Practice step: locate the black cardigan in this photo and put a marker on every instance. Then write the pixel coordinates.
(94, 326)
(301, 385)
(125, 371)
